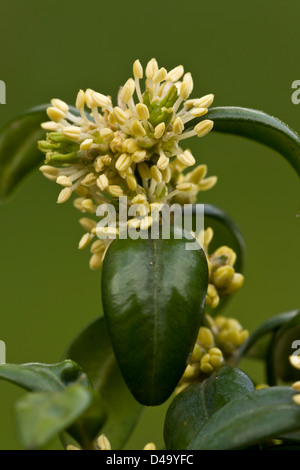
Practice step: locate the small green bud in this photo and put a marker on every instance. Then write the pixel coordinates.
(170, 98)
(46, 146)
(58, 137)
(56, 157)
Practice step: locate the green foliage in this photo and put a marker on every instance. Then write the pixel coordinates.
(63, 399)
(19, 154)
(153, 295)
(256, 346)
(272, 342)
(253, 418)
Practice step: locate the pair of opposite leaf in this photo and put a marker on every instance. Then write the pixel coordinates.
(153, 290)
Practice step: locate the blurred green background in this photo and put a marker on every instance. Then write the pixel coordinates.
(243, 52)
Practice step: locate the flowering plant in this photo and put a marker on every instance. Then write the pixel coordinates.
(163, 284)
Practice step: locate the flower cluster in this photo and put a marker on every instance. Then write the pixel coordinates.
(223, 280)
(205, 359)
(133, 149)
(215, 346)
(229, 334)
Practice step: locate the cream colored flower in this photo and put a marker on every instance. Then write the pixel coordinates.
(133, 149)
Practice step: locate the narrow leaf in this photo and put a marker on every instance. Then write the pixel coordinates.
(19, 154)
(43, 377)
(259, 126)
(256, 346)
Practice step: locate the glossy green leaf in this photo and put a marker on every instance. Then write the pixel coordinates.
(44, 377)
(42, 415)
(19, 154)
(258, 126)
(252, 418)
(193, 406)
(153, 293)
(92, 350)
(286, 343)
(257, 344)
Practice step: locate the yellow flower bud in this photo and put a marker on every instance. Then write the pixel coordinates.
(127, 90)
(198, 174)
(296, 399)
(115, 190)
(235, 284)
(207, 183)
(103, 443)
(156, 174)
(178, 126)
(159, 130)
(205, 337)
(197, 353)
(150, 446)
(137, 129)
(223, 276)
(190, 372)
(228, 253)
(204, 127)
(144, 170)
(162, 162)
(137, 69)
(175, 74)
(206, 367)
(142, 111)
(296, 385)
(123, 162)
